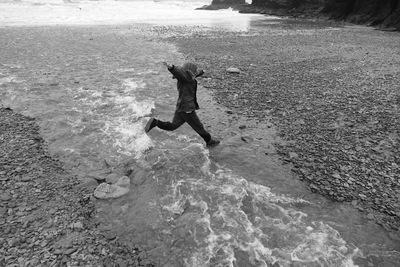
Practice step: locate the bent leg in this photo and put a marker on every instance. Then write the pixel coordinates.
(177, 121)
(193, 120)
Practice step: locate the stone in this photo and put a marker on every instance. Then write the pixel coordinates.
(76, 226)
(233, 70)
(109, 235)
(107, 191)
(26, 178)
(43, 243)
(362, 196)
(3, 210)
(112, 178)
(70, 251)
(52, 211)
(5, 196)
(123, 181)
(88, 183)
(58, 252)
(13, 241)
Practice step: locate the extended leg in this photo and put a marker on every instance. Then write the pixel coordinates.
(177, 121)
(195, 123)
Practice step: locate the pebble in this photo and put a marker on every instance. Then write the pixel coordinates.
(70, 251)
(112, 178)
(233, 70)
(13, 241)
(76, 225)
(52, 211)
(26, 178)
(3, 210)
(5, 196)
(109, 235)
(58, 252)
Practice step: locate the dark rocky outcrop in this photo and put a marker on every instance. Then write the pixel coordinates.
(384, 13)
(381, 13)
(221, 4)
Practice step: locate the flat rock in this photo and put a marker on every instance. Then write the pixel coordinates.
(70, 251)
(112, 178)
(26, 178)
(88, 183)
(76, 225)
(233, 70)
(123, 181)
(108, 191)
(5, 196)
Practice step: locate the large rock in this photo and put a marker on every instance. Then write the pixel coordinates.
(221, 4)
(109, 191)
(374, 12)
(228, 2)
(286, 4)
(371, 12)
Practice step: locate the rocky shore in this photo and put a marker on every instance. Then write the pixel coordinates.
(381, 14)
(47, 216)
(334, 98)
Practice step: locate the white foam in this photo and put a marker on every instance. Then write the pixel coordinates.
(48, 12)
(276, 233)
(8, 79)
(120, 113)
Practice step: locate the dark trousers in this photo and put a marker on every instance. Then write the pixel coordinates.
(182, 117)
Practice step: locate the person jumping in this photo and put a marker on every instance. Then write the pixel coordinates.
(186, 105)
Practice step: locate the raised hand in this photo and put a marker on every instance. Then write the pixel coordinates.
(167, 65)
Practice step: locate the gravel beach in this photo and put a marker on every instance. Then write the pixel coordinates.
(333, 94)
(47, 215)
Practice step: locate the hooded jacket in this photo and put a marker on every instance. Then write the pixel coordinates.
(187, 86)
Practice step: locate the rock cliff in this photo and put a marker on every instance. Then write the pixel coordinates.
(220, 4)
(382, 13)
(372, 12)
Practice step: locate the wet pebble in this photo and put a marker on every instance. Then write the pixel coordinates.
(4, 196)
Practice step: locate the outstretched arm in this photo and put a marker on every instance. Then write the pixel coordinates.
(201, 72)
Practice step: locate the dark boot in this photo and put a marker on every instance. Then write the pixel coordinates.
(213, 143)
(150, 125)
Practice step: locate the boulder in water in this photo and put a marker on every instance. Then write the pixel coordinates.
(123, 181)
(108, 191)
(112, 178)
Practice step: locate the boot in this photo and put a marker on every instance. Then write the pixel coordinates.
(150, 125)
(213, 143)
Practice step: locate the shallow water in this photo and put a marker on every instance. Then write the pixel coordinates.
(92, 90)
(110, 12)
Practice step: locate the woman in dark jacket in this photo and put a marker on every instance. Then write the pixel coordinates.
(186, 105)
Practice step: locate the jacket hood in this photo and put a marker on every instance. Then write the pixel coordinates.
(191, 67)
